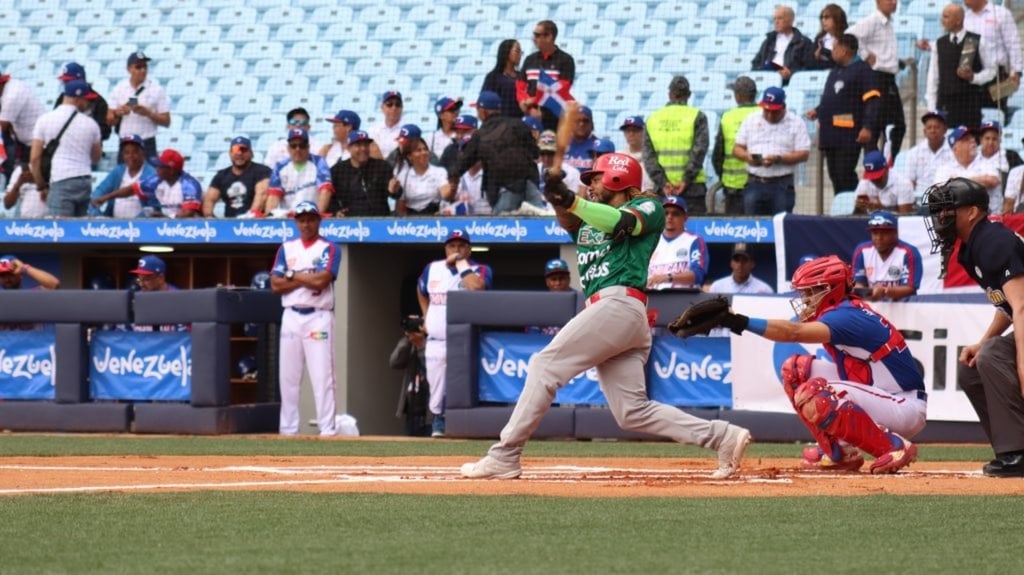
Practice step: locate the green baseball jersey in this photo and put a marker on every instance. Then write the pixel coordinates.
(603, 263)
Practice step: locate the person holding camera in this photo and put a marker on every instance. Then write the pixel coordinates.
(409, 354)
(885, 267)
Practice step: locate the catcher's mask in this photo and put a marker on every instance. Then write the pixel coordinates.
(941, 202)
(822, 283)
(618, 172)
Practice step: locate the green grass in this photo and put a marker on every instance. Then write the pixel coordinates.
(63, 445)
(273, 532)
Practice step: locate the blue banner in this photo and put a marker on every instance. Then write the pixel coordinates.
(141, 365)
(692, 373)
(342, 230)
(27, 364)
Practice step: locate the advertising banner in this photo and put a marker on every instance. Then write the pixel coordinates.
(154, 366)
(27, 364)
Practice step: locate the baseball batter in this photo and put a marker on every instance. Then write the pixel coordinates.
(615, 236)
(303, 275)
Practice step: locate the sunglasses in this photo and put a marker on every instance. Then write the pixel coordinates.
(239, 149)
(539, 34)
(298, 122)
(392, 104)
(298, 145)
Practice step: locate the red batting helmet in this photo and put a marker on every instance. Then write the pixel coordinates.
(618, 172)
(825, 282)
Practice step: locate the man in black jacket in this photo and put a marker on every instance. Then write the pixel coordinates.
(961, 64)
(360, 182)
(97, 108)
(509, 155)
(784, 49)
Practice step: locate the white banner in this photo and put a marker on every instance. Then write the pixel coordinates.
(935, 332)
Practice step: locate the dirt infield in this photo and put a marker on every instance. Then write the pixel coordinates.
(570, 477)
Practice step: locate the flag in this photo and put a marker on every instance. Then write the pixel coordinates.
(552, 94)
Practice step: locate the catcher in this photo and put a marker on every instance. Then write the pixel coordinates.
(615, 235)
(870, 399)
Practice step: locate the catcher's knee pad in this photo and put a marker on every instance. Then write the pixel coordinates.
(795, 371)
(816, 402)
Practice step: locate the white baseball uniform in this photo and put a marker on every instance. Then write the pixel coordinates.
(676, 255)
(295, 184)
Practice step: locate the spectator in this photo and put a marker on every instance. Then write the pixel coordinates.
(882, 188)
(833, 25)
(784, 49)
(303, 177)
(878, 48)
(298, 118)
(151, 276)
(140, 104)
(385, 134)
(997, 26)
(846, 113)
(407, 137)
(633, 129)
(772, 144)
(582, 142)
(464, 126)
(12, 271)
(547, 146)
(508, 153)
(741, 280)
(408, 355)
(304, 273)
(23, 195)
(455, 272)
(471, 198)
(926, 156)
(966, 163)
(123, 176)
(535, 125)
(994, 155)
(681, 258)
(69, 184)
(97, 108)
(19, 111)
(886, 267)
(674, 148)
(502, 78)
(342, 124)
(731, 170)
(171, 192)
(361, 181)
(447, 109)
(419, 186)
(961, 64)
(243, 184)
(553, 62)
(1012, 194)
(600, 147)
(556, 275)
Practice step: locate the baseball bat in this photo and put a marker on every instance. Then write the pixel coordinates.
(564, 136)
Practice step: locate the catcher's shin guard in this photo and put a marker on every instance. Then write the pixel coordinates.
(795, 371)
(818, 404)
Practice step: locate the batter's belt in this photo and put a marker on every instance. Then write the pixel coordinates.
(618, 291)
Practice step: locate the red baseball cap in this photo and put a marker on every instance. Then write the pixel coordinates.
(169, 159)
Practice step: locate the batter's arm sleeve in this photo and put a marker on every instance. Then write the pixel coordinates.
(654, 170)
(718, 153)
(699, 150)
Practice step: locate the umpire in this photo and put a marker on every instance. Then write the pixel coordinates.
(989, 372)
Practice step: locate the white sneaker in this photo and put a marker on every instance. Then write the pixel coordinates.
(730, 451)
(491, 468)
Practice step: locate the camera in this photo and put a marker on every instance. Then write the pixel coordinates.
(133, 101)
(412, 323)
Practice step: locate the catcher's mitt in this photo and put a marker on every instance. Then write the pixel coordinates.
(703, 316)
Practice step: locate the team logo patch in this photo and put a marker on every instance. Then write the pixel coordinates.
(318, 335)
(894, 271)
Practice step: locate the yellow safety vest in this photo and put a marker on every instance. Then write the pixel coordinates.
(734, 170)
(671, 131)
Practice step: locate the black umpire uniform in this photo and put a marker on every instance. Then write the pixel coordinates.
(850, 102)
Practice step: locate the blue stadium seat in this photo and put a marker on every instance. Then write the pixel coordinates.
(197, 103)
(165, 51)
(214, 141)
(313, 103)
(283, 15)
(184, 16)
(245, 104)
(842, 203)
(572, 46)
(279, 68)
(368, 67)
(206, 51)
(808, 80)
(100, 36)
(435, 86)
(445, 31)
(318, 4)
(337, 85)
(419, 66)
(204, 124)
(425, 13)
(9, 35)
(649, 29)
(673, 10)
(647, 83)
(115, 70)
(457, 47)
(57, 34)
(185, 85)
(925, 8)
(664, 45)
(814, 8)
(182, 141)
(575, 12)
(1011, 140)
(725, 11)
(731, 63)
(13, 52)
(285, 85)
(230, 86)
(224, 67)
(594, 30)
(682, 64)
(361, 103)
(472, 65)
(628, 13)
(211, 4)
(393, 31)
(235, 15)
(314, 68)
(612, 46)
(702, 82)
(93, 17)
(263, 50)
(199, 33)
(68, 52)
(588, 86)
(294, 33)
(798, 102)
(140, 17)
(264, 141)
(357, 49)
(709, 45)
(377, 85)
(142, 35)
(747, 27)
(992, 115)
(379, 14)
(341, 15)
(72, 6)
(42, 18)
(523, 13)
(404, 49)
(631, 64)
(696, 29)
(718, 100)
(615, 102)
(477, 13)
(493, 30)
(242, 33)
(863, 9)
(764, 79)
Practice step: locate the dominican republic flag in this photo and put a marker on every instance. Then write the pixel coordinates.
(552, 94)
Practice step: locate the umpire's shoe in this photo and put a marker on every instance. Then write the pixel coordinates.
(903, 454)
(491, 468)
(730, 451)
(1006, 465)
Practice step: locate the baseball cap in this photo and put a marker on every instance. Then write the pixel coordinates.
(150, 265)
(71, 71)
(298, 134)
(774, 98)
(990, 125)
(79, 89)
(169, 159)
(457, 234)
(445, 103)
(875, 165)
(487, 101)
(674, 201)
(555, 266)
(391, 94)
(959, 133)
(409, 132)
(934, 114)
(533, 123)
(740, 249)
(305, 207)
(882, 220)
(358, 136)
(679, 85)
(632, 122)
(602, 146)
(133, 139)
(240, 141)
(346, 117)
(585, 111)
(547, 141)
(136, 57)
(6, 264)
(743, 85)
(466, 122)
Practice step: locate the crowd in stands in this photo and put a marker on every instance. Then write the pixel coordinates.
(491, 162)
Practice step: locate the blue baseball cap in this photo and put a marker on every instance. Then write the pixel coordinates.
(990, 125)
(306, 207)
(149, 266)
(875, 165)
(457, 234)
(466, 122)
(347, 117)
(602, 146)
(136, 57)
(934, 114)
(774, 98)
(71, 71)
(585, 111)
(409, 132)
(882, 220)
(632, 122)
(133, 139)
(356, 136)
(79, 89)
(555, 266)
(6, 264)
(391, 94)
(444, 103)
(298, 134)
(675, 201)
(488, 101)
(241, 141)
(533, 123)
(959, 133)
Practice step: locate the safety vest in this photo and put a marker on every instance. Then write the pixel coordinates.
(734, 170)
(671, 131)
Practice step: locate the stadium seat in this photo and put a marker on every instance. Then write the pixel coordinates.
(140, 17)
(184, 16)
(211, 124)
(222, 161)
(379, 84)
(626, 13)
(588, 86)
(457, 47)
(765, 9)
(295, 33)
(731, 63)
(43, 18)
(572, 46)
(814, 8)
(764, 79)
(182, 141)
(228, 86)
(285, 85)
(713, 45)
(242, 33)
(435, 86)
(67, 52)
(332, 85)
(925, 8)
(279, 68)
(313, 103)
(214, 142)
(101, 36)
(405, 49)
(10, 35)
(747, 27)
(283, 15)
(142, 35)
(493, 30)
(234, 16)
(631, 64)
(718, 100)
(224, 67)
(165, 51)
(379, 14)
(612, 46)
(192, 35)
(591, 30)
(703, 82)
(674, 10)
(249, 103)
(72, 6)
(445, 31)
(472, 65)
(361, 103)
(362, 49)
(420, 66)
(197, 103)
(264, 50)
(798, 102)
(425, 13)
(862, 10)
(808, 80)
(645, 30)
(616, 101)
(683, 63)
(33, 69)
(58, 34)
(206, 51)
(392, 31)
(992, 115)
(184, 86)
(477, 13)
(842, 204)
(345, 31)
(315, 68)
(369, 67)
(93, 17)
(664, 45)
(522, 13)
(576, 12)
(725, 11)
(1011, 140)
(12, 52)
(647, 83)
(696, 29)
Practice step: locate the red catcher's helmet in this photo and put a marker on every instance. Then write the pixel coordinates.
(618, 172)
(823, 283)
